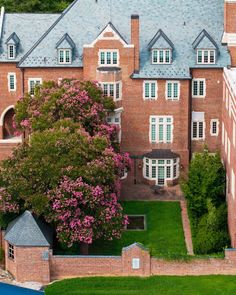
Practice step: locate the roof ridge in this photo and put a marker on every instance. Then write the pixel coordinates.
(47, 32)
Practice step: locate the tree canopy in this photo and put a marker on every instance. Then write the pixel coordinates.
(69, 170)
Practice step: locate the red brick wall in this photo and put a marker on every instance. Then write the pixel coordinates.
(67, 267)
(28, 264)
(230, 17)
(211, 105)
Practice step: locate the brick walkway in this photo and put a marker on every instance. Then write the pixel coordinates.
(186, 227)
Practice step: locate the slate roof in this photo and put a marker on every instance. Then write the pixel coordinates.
(28, 27)
(181, 20)
(161, 154)
(27, 230)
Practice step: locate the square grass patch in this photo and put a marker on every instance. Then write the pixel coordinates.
(163, 234)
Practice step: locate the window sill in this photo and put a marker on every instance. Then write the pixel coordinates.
(12, 140)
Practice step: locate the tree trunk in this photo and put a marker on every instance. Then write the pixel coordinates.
(84, 249)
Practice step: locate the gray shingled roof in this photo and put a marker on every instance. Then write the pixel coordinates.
(28, 27)
(27, 230)
(181, 20)
(161, 154)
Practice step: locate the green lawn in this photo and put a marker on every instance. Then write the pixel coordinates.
(164, 235)
(164, 285)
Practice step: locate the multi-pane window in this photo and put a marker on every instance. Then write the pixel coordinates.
(115, 119)
(206, 56)
(108, 57)
(161, 56)
(172, 90)
(199, 88)
(11, 251)
(214, 127)
(112, 90)
(11, 51)
(150, 90)
(12, 82)
(198, 125)
(161, 129)
(33, 83)
(161, 169)
(64, 56)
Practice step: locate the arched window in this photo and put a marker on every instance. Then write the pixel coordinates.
(8, 129)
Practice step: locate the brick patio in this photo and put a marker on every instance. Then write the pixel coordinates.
(144, 192)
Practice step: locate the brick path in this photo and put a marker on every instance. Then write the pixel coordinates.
(186, 227)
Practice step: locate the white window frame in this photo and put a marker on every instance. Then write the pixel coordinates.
(149, 164)
(9, 82)
(106, 51)
(35, 80)
(115, 119)
(11, 251)
(164, 56)
(198, 81)
(209, 54)
(64, 50)
(150, 82)
(9, 51)
(115, 87)
(217, 127)
(157, 123)
(172, 92)
(198, 128)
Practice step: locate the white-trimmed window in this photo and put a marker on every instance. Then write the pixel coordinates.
(172, 90)
(161, 129)
(198, 125)
(11, 251)
(199, 88)
(12, 81)
(108, 57)
(115, 119)
(64, 56)
(11, 51)
(161, 56)
(150, 89)
(160, 169)
(32, 82)
(113, 90)
(206, 56)
(214, 127)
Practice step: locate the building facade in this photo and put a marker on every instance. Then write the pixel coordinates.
(164, 63)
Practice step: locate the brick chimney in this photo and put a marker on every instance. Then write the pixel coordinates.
(135, 39)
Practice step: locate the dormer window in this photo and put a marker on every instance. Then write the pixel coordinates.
(65, 48)
(206, 56)
(161, 56)
(11, 51)
(108, 57)
(13, 44)
(64, 56)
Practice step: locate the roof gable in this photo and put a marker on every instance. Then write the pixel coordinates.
(160, 40)
(27, 230)
(204, 40)
(65, 42)
(13, 39)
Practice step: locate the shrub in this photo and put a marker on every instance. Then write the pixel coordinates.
(212, 233)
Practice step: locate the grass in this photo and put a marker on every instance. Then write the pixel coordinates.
(164, 235)
(163, 285)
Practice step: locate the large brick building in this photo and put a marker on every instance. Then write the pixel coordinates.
(163, 63)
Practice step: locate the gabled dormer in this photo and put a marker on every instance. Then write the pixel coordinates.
(161, 49)
(65, 49)
(12, 43)
(206, 48)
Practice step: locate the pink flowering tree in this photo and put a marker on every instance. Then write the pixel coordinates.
(68, 171)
